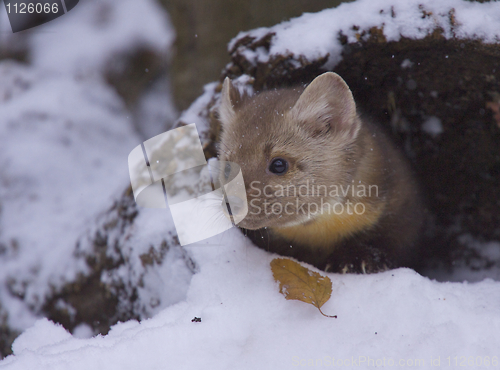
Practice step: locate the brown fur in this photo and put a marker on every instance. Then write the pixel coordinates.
(327, 146)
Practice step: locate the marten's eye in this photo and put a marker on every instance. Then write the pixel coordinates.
(278, 166)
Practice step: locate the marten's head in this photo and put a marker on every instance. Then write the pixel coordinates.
(291, 145)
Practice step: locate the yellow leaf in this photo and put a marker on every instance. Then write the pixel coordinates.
(300, 283)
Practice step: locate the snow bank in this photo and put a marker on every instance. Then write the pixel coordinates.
(157, 270)
(247, 324)
(315, 36)
(60, 165)
(66, 135)
(83, 40)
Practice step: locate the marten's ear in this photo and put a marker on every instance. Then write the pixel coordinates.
(327, 105)
(230, 98)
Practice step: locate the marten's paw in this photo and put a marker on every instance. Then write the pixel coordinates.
(363, 268)
(366, 260)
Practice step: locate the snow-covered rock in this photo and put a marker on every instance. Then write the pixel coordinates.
(65, 137)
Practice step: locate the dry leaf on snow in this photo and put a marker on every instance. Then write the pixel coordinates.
(300, 283)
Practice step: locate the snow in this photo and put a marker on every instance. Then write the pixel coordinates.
(82, 41)
(163, 282)
(83, 331)
(65, 161)
(59, 165)
(487, 252)
(432, 126)
(316, 35)
(247, 324)
(407, 63)
(196, 112)
(65, 137)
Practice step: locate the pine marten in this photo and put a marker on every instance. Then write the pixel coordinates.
(323, 184)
